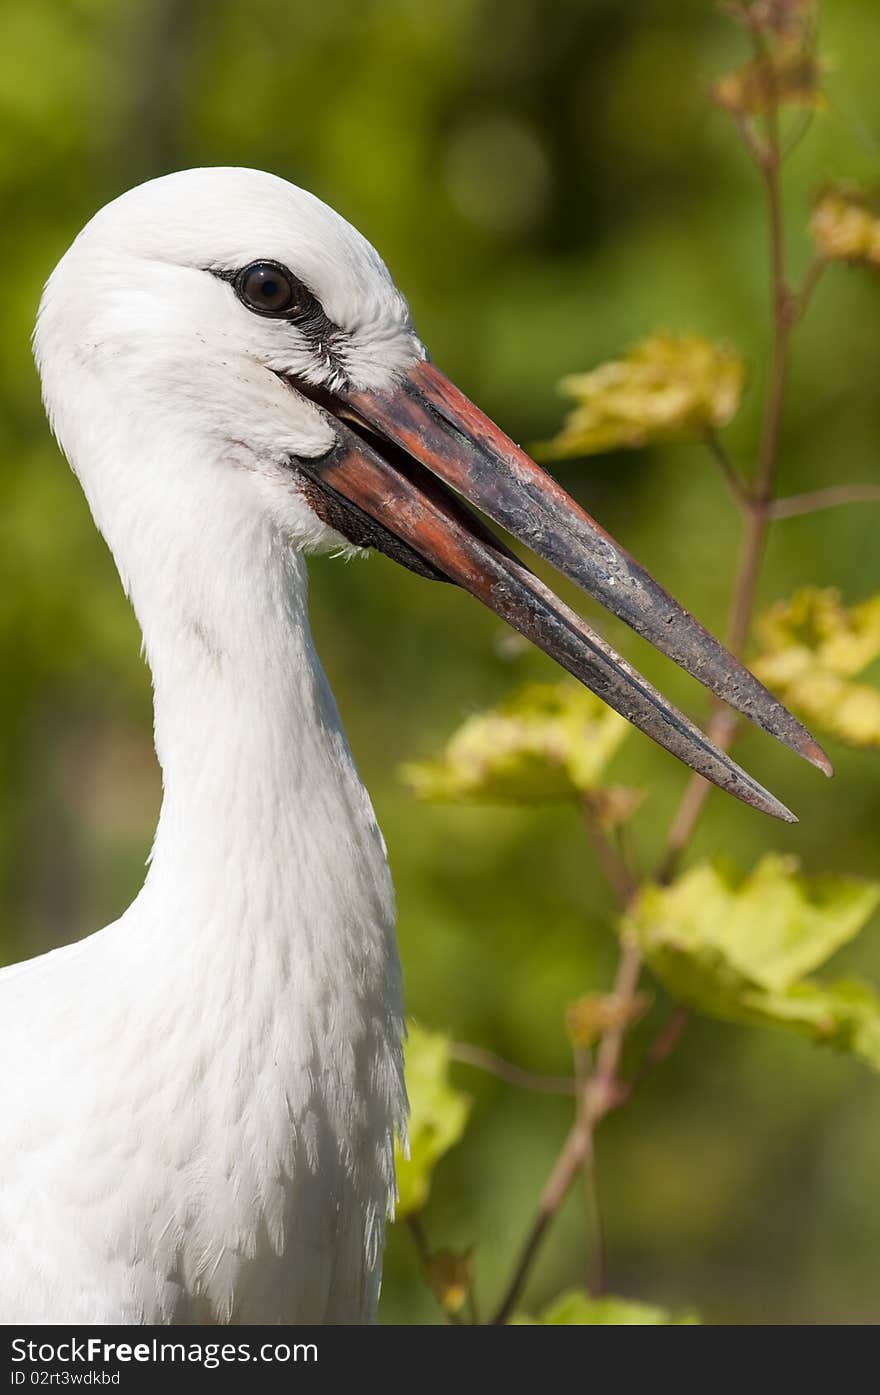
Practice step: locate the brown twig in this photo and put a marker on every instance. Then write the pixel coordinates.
(661, 1049)
(813, 275)
(818, 499)
(598, 1247)
(603, 1086)
(424, 1252)
(596, 1270)
(419, 1239)
(750, 137)
(797, 133)
(739, 490)
(605, 1091)
(481, 1059)
(612, 860)
(758, 513)
(601, 1094)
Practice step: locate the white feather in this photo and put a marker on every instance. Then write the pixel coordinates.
(199, 1101)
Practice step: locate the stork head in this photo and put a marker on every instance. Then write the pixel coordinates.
(257, 342)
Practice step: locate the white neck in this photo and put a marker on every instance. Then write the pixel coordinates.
(259, 960)
(262, 804)
(260, 790)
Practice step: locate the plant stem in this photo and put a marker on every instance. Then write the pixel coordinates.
(511, 1074)
(662, 1047)
(598, 1252)
(615, 867)
(605, 1091)
(596, 1272)
(783, 318)
(600, 1097)
(811, 280)
(797, 135)
(758, 507)
(739, 490)
(818, 499)
(423, 1250)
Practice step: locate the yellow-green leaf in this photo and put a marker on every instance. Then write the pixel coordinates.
(845, 224)
(844, 1014)
(438, 1115)
(773, 926)
(811, 650)
(545, 742)
(737, 948)
(666, 387)
(577, 1309)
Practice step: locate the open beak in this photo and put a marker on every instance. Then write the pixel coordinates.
(406, 460)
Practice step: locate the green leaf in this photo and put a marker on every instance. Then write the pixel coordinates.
(577, 1309)
(546, 742)
(666, 387)
(438, 1115)
(811, 649)
(845, 1014)
(772, 926)
(737, 949)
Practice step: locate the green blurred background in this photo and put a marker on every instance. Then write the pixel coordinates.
(548, 181)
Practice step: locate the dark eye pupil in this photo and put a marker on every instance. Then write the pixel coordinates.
(265, 287)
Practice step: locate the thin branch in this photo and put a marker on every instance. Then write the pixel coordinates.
(599, 1246)
(612, 861)
(797, 133)
(596, 1272)
(481, 1059)
(423, 1250)
(419, 1239)
(604, 1085)
(751, 139)
(818, 499)
(813, 275)
(785, 307)
(660, 1050)
(605, 1090)
(782, 322)
(733, 479)
(602, 1092)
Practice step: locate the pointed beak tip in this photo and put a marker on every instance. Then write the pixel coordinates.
(816, 756)
(767, 803)
(757, 797)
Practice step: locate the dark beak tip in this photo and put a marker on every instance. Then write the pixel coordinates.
(759, 798)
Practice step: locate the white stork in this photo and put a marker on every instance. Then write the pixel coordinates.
(199, 1101)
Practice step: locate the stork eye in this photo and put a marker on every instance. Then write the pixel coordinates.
(269, 289)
